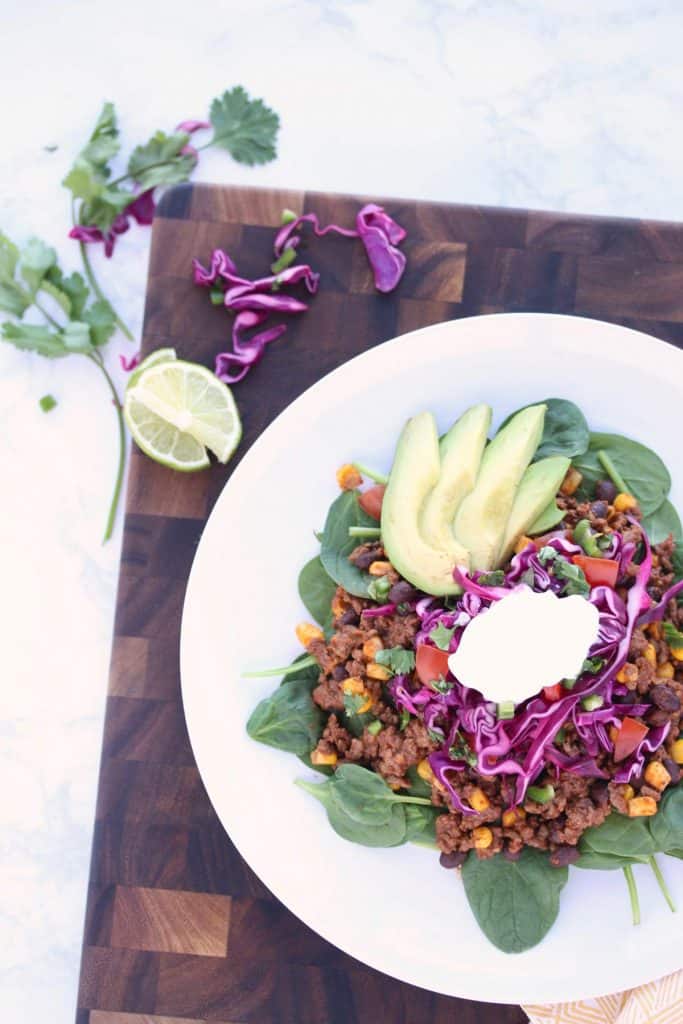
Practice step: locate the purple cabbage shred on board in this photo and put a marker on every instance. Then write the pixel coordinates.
(254, 301)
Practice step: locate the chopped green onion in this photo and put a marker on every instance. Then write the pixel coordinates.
(403, 720)
(560, 736)
(287, 258)
(364, 531)
(541, 794)
(612, 471)
(379, 589)
(373, 474)
(506, 709)
(584, 536)
(47, 403)
(287, 216)
(592, 702)
(375, 727)
(569, 684)
(217, 296)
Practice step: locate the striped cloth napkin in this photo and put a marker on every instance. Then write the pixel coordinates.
(659, 1002)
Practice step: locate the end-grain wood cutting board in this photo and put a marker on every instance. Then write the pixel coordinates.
(178, 929)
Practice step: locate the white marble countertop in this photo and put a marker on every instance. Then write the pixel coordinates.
(539, 103)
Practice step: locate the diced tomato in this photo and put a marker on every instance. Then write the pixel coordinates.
(553, 693)
(629, 736)
(599, 572)
(371, 501)
(430, 662)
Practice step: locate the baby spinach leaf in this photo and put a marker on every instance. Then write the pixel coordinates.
(641, 469)
(316, 590)
(289, 719)
(391, 831)
(590, 860)
(365, 796)
(620, 837)
(565, 430)
(336, 545)
(662, 522)
(421, 825)
(666, 826)
(398, 659)
(515, 902)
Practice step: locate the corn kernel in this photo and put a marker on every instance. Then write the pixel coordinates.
(479, 800)
(677, 751)
(353, 685)
(522, 543)
(657, 776)
(655, 630)
(306, 632)
(483, 837)
(380, 672)
(371, 647)
(624, 502)
(650, 655)
(642, 807)
(677, 652)
(665, 671)
(338, 606)
(571, 482)
(628, 792)
(628, 674)
(380, 568)
(317, 757)
(613, 733)
(513, 815)
(348, 477)
(424, 770)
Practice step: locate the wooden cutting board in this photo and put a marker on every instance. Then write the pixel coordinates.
(178, 929)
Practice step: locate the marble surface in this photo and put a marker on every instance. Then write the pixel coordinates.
(540, 103)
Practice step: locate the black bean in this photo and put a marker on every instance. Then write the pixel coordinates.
(364, 559)
(599, 794)
(664, 697)
(599, 509)
(605, 490)
(626, 698)
(673, 770)
(657, 717)
(564, 855)
(401, 592)
(511, 854)
(452, 860)
(339, 673)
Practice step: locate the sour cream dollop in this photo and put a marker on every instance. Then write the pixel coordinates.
(524, 642)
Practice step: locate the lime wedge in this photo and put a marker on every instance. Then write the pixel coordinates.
(161, 355)
(176, 410)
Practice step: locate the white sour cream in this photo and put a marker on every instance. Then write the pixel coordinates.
(524, 642)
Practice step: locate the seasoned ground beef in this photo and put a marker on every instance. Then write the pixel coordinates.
(396, 747)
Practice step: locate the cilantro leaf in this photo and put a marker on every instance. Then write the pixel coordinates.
(72, 287)
(34, 338)
(102, 211)
(36, 259)
(47, 403)
(593, 665)
(246, 128)
(83, 180)
(159, 161)
(101, 320)
(492, 579)
(441, 685)
(547, 554)
(404, 718)
(103, 144)
(397, 659)
(9, 257)
(673, 636)
(13, 299)
(353, 702)
(442, 636)
(576, 582)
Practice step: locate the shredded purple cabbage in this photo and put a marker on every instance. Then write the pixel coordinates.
(129, 363)
(523, 746)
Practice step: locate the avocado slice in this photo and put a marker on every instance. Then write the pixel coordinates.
(460, 451)
(538, 486)
(415, 472)
(483, 515)
(551, 515)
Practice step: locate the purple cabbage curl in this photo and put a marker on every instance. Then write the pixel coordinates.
(442, 766)
(384, 609)
(129, 363)
(657, 611)
(140, 209)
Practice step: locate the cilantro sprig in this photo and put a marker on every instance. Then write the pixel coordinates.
(103, 205)
(397, 660)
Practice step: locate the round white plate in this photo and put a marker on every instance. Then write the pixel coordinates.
(397, 909)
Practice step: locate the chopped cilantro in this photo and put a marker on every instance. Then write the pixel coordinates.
(442, 635)
(397, 659)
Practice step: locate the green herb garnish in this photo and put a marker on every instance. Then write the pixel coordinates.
(397, 659)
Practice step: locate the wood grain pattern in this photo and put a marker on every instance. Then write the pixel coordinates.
(178, 928)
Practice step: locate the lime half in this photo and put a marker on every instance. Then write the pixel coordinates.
(176, 410)
(160, 355)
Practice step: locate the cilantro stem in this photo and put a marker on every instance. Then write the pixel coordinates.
(652, 861)
(364, 531)
(612, 472)
(90, 274)
(50, 319)
(633, 893)
(96, 358)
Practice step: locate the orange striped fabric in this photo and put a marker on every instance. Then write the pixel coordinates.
(659, 1002)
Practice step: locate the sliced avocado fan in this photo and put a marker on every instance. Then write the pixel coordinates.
(414, 474)
(482, 518)
(460, 453)
(538, 486)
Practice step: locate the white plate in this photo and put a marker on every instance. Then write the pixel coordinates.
(396, 909)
